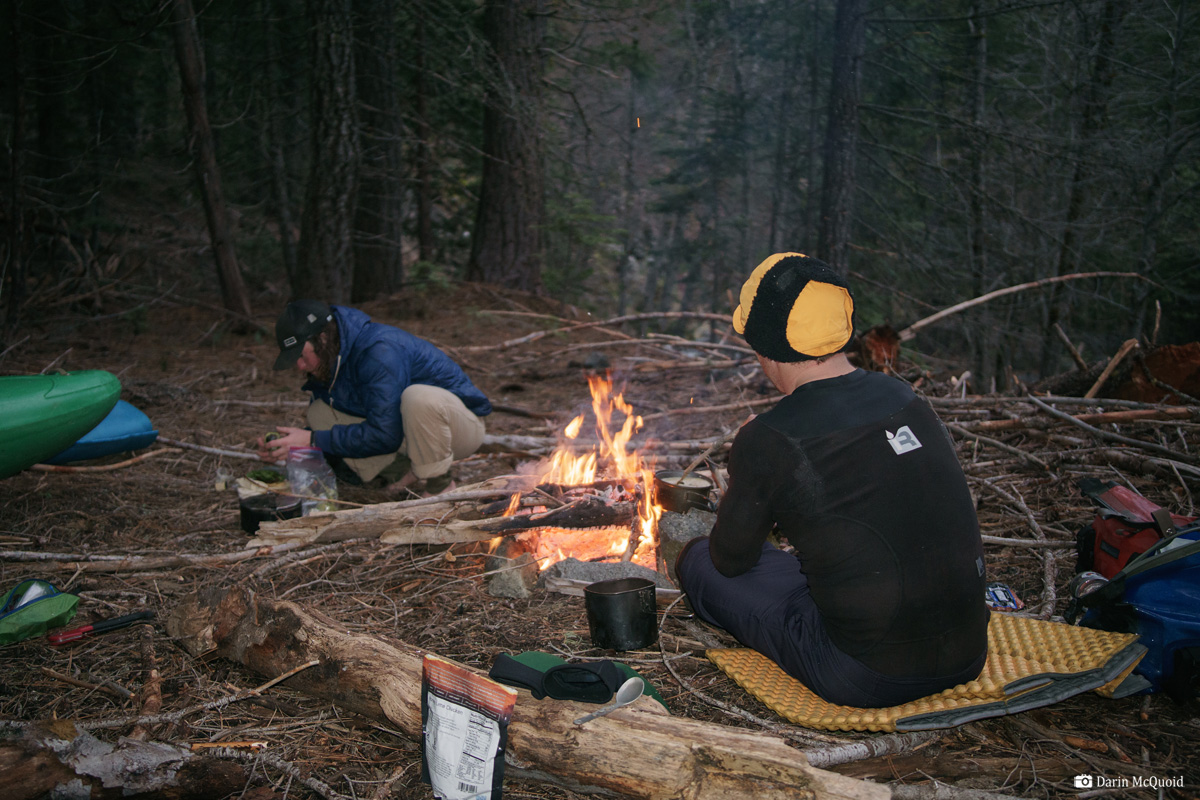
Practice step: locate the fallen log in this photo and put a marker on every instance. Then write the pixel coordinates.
(84, 562)
(419, 521)
(60, 761)
(637, 751)
(438, 523)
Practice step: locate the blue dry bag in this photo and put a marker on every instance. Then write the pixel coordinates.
(1157, 596)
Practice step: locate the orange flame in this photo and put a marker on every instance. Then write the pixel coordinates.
(513, 505)
(613, 446)
(567, 469)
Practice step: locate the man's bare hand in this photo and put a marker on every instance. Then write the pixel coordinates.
(277, 449)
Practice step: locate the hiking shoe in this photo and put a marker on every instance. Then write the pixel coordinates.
(342, 472)
(396, 470)
(438, 484)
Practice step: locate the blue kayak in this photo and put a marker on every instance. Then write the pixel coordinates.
(42, 415)
(125, 428)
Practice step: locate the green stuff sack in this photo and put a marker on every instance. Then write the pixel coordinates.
(32, 608)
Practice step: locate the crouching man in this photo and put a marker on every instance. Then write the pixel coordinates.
(388, 408)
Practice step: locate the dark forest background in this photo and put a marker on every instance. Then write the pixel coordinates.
(619, 156)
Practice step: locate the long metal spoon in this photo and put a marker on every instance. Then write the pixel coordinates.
(630, 690)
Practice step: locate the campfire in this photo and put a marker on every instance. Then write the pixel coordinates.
(604, 491)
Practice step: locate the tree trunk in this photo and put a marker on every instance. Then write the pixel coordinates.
(637, 751)
(1174, 137)
(327, 224)
(204, 157)
(378, 267)
(271, 141)
(507, 244)
(12, 280)
(424, 151)
(741, 102)
(1095, 109)
(810, 227)
(841, 139)
(631, 208)
(987, 336)
(785, 169)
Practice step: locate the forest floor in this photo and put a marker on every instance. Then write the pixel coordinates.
(203, 385)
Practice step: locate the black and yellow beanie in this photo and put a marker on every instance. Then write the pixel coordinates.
(795, 308)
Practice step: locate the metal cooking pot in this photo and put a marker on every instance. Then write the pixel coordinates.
(267, 507)
(679, 493)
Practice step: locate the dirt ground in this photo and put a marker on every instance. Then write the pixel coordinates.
(205, 385)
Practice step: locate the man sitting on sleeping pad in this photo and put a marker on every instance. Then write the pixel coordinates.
(883, 601)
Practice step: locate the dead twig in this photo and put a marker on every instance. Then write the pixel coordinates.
(107, 688)
(287, 768)
(83, 562)
(212, 450)
(104, 467)
(533, 337)
(1049, 567)
(936, 790)
(152, 687)
(999, 445)
(675, 412)
(1154, 448)
(1075, 355)
(911, 331)
(712, 448)
(891, 744)
(1124, 350)
(212, 705)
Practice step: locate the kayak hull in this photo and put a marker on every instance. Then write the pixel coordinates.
(41, 415)
(125, 428)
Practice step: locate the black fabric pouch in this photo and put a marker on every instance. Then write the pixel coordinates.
(589, 682)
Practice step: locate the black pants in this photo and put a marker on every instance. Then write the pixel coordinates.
(769, 608)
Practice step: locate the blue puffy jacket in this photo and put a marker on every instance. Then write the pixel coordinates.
(376, 363)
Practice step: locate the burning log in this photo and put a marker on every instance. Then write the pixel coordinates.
(637, 751)
(587, 511)
(441, 523)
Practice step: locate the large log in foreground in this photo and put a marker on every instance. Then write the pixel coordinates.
(637, 751)
(55, 759)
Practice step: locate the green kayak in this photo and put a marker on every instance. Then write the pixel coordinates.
(42, 415)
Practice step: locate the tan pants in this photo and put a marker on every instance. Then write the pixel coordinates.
(438, 429)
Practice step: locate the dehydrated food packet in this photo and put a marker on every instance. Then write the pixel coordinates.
(464, 721)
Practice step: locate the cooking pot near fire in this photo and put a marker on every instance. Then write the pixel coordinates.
(267, 507)
(679, 492)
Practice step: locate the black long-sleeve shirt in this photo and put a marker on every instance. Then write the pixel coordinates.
(861, 477)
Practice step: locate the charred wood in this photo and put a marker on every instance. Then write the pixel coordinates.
(586, 512)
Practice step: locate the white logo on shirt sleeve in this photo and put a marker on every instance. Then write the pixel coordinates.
(903, 441)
